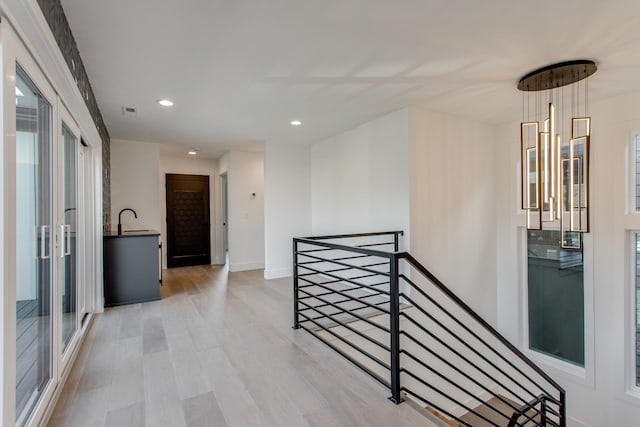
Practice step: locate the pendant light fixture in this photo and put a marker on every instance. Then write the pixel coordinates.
(554, 151)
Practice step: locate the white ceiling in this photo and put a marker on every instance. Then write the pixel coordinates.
(240, 70)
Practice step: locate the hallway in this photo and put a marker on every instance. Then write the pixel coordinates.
(217, 350)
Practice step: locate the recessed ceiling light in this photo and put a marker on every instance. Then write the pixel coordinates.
(193, 152)
(296, 122)
(165, 103)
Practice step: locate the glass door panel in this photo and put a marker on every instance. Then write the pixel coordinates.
(68, 233)
(33, 245)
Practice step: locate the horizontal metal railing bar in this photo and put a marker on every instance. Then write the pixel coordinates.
(362, 256)
(347, 236)
(375, 244)
(344, 264)
(466, 328)
(328, 282)
(312, 284)
(349, 343)
(331, 259)
(375, 264)
(457, 353)
(434, 280)
(355, 246)
(374, 291)
(342, 310)
(349, 358)
(353, 309)
(365, 276)
(463, 342)
(351, 296)
(302, 251)
(355, 288)
(337, 269)
(452, 366)
(459, 387)
(347, 268)
(448, 397)
(351, 328)
(363, 251)
(333, 276)
(354, 257)
(342, 302)
(369, 295)
(322, 317)
(434, 405)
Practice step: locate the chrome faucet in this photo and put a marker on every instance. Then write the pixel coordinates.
(120, 219)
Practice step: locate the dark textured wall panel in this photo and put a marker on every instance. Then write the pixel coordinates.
(54, 14)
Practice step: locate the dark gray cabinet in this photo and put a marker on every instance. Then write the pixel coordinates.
(131, 265)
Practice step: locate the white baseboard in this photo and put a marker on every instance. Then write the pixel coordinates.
(278, 273)
(245, 266)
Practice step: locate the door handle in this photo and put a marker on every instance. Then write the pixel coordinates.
(43, 242)
(68, 245)
(62, 249)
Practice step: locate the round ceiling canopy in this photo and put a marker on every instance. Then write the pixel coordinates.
(557, 75)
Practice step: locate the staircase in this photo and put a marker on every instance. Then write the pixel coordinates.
(389, 316)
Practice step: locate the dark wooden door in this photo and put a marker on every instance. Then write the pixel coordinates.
(188, 220)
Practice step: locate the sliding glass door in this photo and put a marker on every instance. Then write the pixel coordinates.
(50, 237)
(47, 212)
(34, 244)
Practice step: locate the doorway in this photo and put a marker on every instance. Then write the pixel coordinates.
(188, 220)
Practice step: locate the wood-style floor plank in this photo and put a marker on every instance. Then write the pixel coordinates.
(218, 350)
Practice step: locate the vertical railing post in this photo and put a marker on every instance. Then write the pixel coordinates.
(543, 412)
(563, 409)
(396, 245)
(394, 309)
(296, 318)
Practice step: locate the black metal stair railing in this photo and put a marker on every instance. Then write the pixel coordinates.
(391, 317)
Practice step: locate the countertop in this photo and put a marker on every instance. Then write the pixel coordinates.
(132, 233)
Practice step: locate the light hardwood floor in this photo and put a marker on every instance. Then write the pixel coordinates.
(218, 350)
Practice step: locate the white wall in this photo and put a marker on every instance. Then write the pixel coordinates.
(360, 179)
(135, 167)
(287, 204)
(453, 226)
(245, 177)
(599, 396)
(192, 166)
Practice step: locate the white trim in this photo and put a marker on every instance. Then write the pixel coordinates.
(631, 388)
(245, 266)
(630, 181)
(278, 273)
(64, 117)
(7, 220)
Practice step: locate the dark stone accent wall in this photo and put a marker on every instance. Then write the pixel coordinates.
(54, 14)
